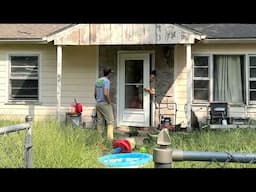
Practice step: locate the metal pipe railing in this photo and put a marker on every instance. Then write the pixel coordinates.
(28, 143)
(163, 156)
(179, 155)
(28, 138)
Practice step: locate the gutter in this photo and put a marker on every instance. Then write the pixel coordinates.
(22, 41)
(228, 41)
(201, 37)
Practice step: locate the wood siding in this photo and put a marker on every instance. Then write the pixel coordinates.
(123, 34)
(79, 74)
(180, 82)
(242, 49)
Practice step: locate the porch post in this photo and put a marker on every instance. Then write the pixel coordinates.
(189, 85)
(59, 79)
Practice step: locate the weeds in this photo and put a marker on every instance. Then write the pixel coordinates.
(60, 146)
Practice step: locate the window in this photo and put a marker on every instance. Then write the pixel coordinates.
(228, 78)
(252, 78)
(23, 78)
(221, 78)
(201, 78)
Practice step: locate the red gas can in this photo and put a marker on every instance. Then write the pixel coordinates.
(79, 108)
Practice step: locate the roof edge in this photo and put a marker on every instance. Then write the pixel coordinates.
(237, 40)
(25, 40)
(59, 30)
(51, 37)
(198, 35)
(65, 31)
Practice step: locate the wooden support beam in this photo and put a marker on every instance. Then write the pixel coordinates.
(189, 87)
(59, 79)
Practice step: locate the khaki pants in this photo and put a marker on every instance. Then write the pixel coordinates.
(105, 116)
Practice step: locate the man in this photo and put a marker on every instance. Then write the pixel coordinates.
(104, 106)
(151, 89)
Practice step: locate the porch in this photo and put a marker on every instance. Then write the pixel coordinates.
(170, 46)
(223, 115)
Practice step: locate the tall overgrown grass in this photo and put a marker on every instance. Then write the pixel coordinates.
(235, 140)
(60, 146)
(11, 148)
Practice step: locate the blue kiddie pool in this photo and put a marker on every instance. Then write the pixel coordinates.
(125, 160)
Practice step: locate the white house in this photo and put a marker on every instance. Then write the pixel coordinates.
(43, 67)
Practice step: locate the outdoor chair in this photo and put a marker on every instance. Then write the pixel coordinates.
(218, 112)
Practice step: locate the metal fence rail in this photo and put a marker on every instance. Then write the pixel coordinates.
(28, 138)
(163, 156)
(179, 155)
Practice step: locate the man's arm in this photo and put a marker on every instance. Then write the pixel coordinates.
(106, 91)
(95, 95)
(150, 90)
(106, 94)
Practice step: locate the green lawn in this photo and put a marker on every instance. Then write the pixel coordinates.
(59, 146)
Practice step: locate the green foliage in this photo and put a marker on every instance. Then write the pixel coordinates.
(12, 150)
(237, 140)
(60, 146)
(55, 146)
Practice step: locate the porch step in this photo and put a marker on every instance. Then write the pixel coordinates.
(231, 126)
(124, 129)
(219, 126)
(133, 131)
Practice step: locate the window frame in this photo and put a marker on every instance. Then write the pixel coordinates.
(201, 78)
(23, 54)
(211, 71)
(245, 79)
(250, 79)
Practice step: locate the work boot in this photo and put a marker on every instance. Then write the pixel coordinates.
(110, 131)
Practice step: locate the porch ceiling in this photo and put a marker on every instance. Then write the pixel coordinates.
(124, 34)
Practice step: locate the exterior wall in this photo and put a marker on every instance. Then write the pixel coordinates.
(236, 111)
(180, 76)
(47, 82)
(78, 76)
(80, 69)
(123, 34)
(224, 48)
(164, 64)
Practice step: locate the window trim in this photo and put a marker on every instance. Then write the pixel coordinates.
(249, 79)
(245, 74)
(20, 101)
(200, 78)
(210, 75)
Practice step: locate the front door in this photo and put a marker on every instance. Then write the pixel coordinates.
(133, 103)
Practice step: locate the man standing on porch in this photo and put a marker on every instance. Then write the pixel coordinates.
(103, 106)
(151, 89)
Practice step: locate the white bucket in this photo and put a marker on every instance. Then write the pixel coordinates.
(224, 122)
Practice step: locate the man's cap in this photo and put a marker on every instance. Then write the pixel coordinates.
(153, 72)
(107, 70)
